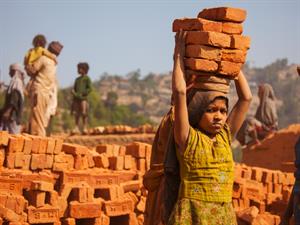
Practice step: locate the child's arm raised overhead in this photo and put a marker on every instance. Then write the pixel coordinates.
(239, 110)
(181, 123)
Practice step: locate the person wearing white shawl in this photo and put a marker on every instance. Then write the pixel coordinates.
(11, 113)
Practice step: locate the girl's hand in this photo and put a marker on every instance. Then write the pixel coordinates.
(180, 44)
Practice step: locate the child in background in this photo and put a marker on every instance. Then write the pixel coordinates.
(39, 43)
(82, 88)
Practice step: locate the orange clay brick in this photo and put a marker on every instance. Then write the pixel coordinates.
(74, 149)
(229, 69)
(113, 192)
(105, 148)
(58, 145)
(46, 214)
(128, 162)
(4, 136)
(27, 145)
(209, 38)
(201, 64)
(15, 144)
(199, 24)
(141, 165)
(43, 146)
(101, 161)
(136, 149)
(38, 161)
(85, 210)
(141, 206)
(2, 157)
(131, 186)
(116, 162)
(118, 207)
(240, 42)
(266, 176)
(81, 162)
(232, 28)
(256, 174)
(36, 198)
(233, 55)
(224, 14)
(50, 146)
(42, 186)
(204, 52)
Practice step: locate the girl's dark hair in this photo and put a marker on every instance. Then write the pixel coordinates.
(84, 66)
(39, 41)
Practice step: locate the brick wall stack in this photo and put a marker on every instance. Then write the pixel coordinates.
(46, 181)
(260, 195)
(215, 47)
(123, 129)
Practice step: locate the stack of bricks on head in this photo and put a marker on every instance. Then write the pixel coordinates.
(215, 48)
(46, 181)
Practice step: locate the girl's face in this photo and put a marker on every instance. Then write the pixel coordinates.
(214, 118)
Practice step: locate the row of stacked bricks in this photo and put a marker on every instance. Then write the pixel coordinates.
(46, 181)
(215, 48)
(260, 196)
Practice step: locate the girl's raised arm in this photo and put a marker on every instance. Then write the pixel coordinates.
(239, 110)
(181, 123)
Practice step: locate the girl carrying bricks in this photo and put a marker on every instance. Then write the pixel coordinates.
(203, 131)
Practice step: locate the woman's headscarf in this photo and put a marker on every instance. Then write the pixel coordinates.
(199, 103)
(17, 81)
(266, 111)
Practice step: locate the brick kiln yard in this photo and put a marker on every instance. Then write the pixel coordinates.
(50, 181)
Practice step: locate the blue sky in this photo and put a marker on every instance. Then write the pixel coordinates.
(118, 37)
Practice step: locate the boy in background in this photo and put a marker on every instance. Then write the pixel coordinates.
(82, 88)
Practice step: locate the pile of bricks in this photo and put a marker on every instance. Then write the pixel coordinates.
(122, 129)
(46, 181)
(215, 48)
(261, 194)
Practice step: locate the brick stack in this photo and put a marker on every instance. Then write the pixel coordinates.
(261, 194)
(122, 129)
(51, 182)
(215, 48)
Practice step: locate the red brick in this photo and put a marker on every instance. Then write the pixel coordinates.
(224, 14)
(131, 196)
(68, 221)
(256, 174)
(253, 190)
(201, 64)
(136, 149)
(229, 69)
(237, 190)
(9, 215)
(199, 24)
(90, 160)
(49, 161)
(131, 186)
(58, 145)
(248, 214)
(232, 28)
(10, 160)
(35, 145)
(118, 207)
(105, 148)
(113, 192)
(141, 206)
(233, 55)
(85, 210)
(10, 185)
(209, 38)
(75, 177)
(240, 42)
(122, 151)
(104, 180)
(36, 198)
(101, 161)
(15, 144)
(128, 162)
(81, 162)
(2, 157)
(82, 194)
(116, 162)
(50, 146)
(42, 186)
(74, 149)
(43, 145)
(46, 214)
(4, 136)
(204, 52)
(27, 145)
(141, 165)
(266, 176)
(38, 161)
